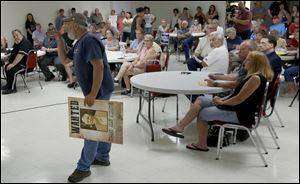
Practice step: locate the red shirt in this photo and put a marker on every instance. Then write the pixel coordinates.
(243, 15)
(294, 42)
(293, 27)
(120, 25)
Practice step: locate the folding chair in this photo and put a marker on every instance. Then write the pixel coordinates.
(270, 106)
(31, 66)
(156, 67)
(297, 93)
(229, 125)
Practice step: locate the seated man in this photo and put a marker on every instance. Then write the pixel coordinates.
(202, 49)
(218, 59)
(185, 38)
(50, 47)
(238, 108)
(138, 65)
(279, 26)
(38, 37)
(267, 45)
(238, 75)
(137, 43)
(16, 61)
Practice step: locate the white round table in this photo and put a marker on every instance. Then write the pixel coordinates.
(174, 82)
(117, 56)
(170, 82)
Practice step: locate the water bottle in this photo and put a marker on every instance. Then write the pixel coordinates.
(123, 50)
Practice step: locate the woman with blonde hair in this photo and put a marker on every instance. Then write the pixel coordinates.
(238, 107)
(138, 65)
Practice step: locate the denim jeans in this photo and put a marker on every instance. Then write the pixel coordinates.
(93, 150)
(187, 44)
(148, 30)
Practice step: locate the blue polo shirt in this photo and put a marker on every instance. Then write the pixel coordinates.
(87, 48)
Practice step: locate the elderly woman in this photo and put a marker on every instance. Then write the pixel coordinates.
(111, 43)
(138, 65)
(232, 39)
(238, 108)
(16, 61)
(280, 42)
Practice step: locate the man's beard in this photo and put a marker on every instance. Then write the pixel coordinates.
(71, 36)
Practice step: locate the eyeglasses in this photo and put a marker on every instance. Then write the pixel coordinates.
(147, 40)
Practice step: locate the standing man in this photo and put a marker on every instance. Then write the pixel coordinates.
(138, 22)
(93, 74)
(242, 22)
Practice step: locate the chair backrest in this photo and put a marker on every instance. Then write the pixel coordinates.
(261, 106)
(31, 61)
(272, 97)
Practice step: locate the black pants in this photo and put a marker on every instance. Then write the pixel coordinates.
(125, 36)
(11, 78)
(43, 64)
(193, 65)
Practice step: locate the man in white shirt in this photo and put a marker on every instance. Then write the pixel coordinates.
(202, 49)
(113, 18)
(149, 19)
(218, 59)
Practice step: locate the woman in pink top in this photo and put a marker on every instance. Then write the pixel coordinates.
(120, 19)
(138, 65)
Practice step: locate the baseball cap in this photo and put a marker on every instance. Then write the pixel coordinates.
(78, 18)
(276, 17)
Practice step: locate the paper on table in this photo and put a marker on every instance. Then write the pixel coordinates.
(202, 83)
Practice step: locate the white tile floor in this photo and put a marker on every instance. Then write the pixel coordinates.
(35, 146)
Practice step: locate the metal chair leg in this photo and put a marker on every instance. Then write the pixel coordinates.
(257, 148)
(280, 121)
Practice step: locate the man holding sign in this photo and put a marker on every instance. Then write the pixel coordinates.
(93, 74)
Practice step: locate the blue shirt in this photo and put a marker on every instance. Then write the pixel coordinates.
(232, 43)
(87, 48)
(135, 44)
(280, 28)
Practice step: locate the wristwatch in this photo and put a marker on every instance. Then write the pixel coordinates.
(215, 84)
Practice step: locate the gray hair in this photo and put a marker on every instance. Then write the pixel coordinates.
(230, 30)
(149, 37)
(251, 43)
(218, 35)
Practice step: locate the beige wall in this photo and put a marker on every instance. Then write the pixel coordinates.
(164, 9)
(13, 13)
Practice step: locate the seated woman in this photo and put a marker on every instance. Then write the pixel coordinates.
(237, 108)
(111, 44)
(233, 41)
(138, 65)
(280, 42)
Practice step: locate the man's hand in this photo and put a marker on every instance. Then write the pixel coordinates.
(10, 66)
(212, 76)
(89, 100)
(210, 82)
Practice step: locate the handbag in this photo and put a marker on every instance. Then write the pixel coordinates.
(153, 66)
